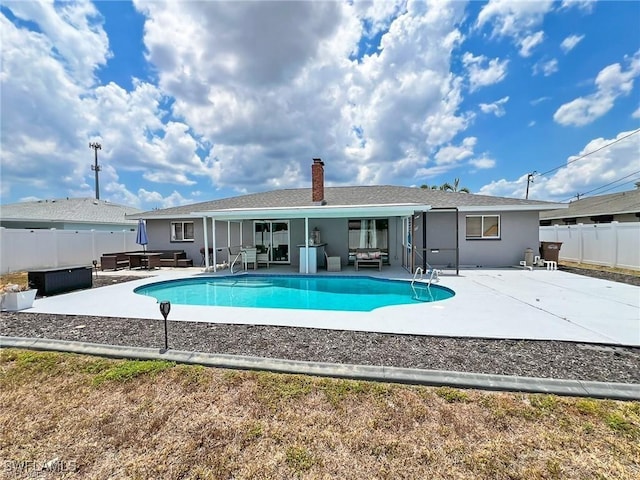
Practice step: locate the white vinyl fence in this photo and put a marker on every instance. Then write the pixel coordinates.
(610, 244)
(32, 249)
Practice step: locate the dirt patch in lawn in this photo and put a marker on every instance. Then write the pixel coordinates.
(74, 416)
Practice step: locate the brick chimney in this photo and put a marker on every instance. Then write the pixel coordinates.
(317, 181)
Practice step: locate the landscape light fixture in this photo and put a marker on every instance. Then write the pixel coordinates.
(165, 308)
(96, 168)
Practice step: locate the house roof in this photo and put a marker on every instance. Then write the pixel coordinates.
(383, 195)
(611, 204)
(70, 210)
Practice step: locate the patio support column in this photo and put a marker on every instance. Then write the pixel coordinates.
(306, 243)
(206, 243)
(424, 241)
(215, 249)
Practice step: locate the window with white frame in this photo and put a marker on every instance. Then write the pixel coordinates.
(483, 226)
(182, 231)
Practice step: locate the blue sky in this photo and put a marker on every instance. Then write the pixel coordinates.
(194, 101)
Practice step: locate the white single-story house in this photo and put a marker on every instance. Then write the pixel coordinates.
(409, 226)
(68, 214)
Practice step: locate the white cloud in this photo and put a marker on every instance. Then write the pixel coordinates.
(482, 71)
(71, 32)
(51, 109)
(539, 100)
(519, 21)
(611, 83)
(636, 113)
(585, 5)
(155, 200)
(531, 123)
(496, 108)
(269, 101)
(483, 163)
(604, 166)
(513, 19)
(455, 154)
(450, 157)
(528, 43)
(547, 68)
(570, 42)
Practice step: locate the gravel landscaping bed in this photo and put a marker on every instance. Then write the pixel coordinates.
(549, 359)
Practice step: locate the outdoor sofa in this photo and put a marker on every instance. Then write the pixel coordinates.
(114, 261)
(168, 258)
(368, 257)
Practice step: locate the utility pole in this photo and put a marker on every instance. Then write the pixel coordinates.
(529, 180)
(96, 146)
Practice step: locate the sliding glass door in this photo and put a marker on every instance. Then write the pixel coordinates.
(369, 233)
(272, 237)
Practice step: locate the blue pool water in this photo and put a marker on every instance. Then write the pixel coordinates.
(355, 294)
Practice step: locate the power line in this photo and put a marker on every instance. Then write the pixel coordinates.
(603, 186)
(590, 153)
(630, 181)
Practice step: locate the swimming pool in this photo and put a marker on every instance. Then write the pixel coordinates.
(355, 294)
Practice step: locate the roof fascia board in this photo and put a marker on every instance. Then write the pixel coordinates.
(590, 214)
(64, 220)
(182, 216)
(512, 208)
(315, 212)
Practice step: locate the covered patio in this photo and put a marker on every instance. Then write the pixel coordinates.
(300, 237)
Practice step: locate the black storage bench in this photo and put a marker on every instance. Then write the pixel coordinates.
(49, 281)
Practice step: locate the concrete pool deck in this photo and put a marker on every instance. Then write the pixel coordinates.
(489, 303)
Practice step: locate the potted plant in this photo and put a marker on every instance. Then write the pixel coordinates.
(16, 297)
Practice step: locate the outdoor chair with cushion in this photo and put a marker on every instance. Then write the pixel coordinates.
(249, 255)
(334, 263)
(263, 257)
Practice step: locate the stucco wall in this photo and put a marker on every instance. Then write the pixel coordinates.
(441, 237)
(159, 233)
(518, 231)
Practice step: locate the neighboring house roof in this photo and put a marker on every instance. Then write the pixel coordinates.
(611, 204)
(69, 210)
(352, 196)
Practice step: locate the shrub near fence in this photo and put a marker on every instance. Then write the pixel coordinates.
(610, 244)
(22, 249)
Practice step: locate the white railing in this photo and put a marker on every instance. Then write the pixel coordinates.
(610, 244)
(31, 249)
